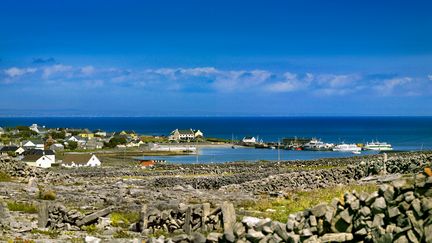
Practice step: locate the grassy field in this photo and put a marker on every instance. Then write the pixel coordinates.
(279, 208)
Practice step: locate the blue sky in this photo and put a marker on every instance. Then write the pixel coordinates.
(146, 58)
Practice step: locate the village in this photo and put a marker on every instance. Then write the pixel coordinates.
(46, 147)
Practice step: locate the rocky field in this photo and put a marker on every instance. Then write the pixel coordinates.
(221, 202)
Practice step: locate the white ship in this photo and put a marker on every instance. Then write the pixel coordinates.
(378, 146)
(347, 148)
(317, 145)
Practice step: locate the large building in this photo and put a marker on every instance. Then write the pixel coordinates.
(185, 135)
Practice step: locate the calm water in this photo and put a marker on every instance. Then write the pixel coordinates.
(404, 133)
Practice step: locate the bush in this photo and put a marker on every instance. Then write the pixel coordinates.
(121, 234)
(51, 233)
(47, 195)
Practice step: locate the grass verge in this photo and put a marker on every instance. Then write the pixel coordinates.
(279, 208)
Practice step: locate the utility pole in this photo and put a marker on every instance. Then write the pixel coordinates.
(278, 150)
(385, 160)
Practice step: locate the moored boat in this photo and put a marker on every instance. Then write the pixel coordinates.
(378, 146)
(317, 145)
(346, 148)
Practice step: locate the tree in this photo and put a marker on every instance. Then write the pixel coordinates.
(72, 145)
(113, 142)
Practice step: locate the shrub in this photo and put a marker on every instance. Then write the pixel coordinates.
(47, 195)
(51, 233)
(122, 234)
(90, 229)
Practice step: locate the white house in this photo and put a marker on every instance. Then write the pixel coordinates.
(33, 144)
(72, 139)
(39, 152)
(80, 160)
(37, 128)
(198, 134)
(249, 140)
(11, 149)
(42, 161)
(182, 135)
(57, 147)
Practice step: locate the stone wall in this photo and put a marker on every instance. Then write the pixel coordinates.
(397, 212)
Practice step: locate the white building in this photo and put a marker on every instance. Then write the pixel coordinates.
(33, 144)
(249, 140)
(80, 160)
(185, 135)
(42, 161)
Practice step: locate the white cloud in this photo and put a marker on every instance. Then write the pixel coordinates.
(430, 77)
(87, 70)
(15, 72)
(388, 86)
(58, 68)
(335, 81)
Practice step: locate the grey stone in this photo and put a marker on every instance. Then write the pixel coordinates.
(409, 196)
(228, 217)
(412, 237)
(393, 212)
(338, 225)
(345, 215)
(416, 205)
(293, 238)
(279, 230)
(336, 237)
(378, 220)
(239, 230)
(371, 198)
(361, 232)
(94, 216)
(197, 237)
(379, 205)
(428, 233)
(401, 239)
(254, 236)
(426, 204)
(355, 205)
(365, 211)
(312, 239)
(43, 214)
(214, 237)
(179, 238)
(313, 221)
(319, 210)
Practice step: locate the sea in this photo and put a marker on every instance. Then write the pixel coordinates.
(404, 133)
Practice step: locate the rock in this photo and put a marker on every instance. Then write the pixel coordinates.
(229, 217)
(313, 221)
(378, 220)
(293, 238)
(379, 205)
(197, 237)
(345, 215)
(371, 198)
(365, 211)
(336, 237)
(32, 185)
(428, 233)
(43, 214)
(339, 225)
(401, 239)
(94, 216)
(319, 210)
(250, 221)
(214, 237)
(279, 229)
(179, 238)
(5, 220)
(239, 230)
(92, 239)
(409, 196)
(393, 212)
(254, 236)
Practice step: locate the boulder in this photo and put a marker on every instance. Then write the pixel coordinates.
(94, 216)
(336, 237)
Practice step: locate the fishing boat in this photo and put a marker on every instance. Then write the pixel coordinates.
(346, 148)
(317, 145)
(378, 146)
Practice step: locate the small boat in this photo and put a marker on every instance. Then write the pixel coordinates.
(378, 146)
(346, 148)
(356, 152)
(272, 147)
